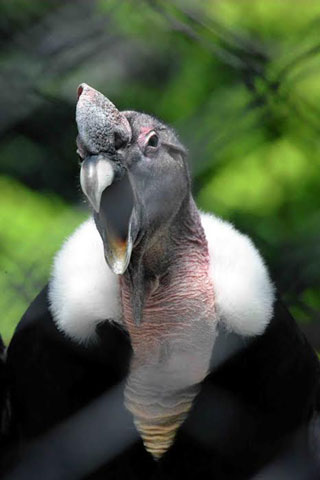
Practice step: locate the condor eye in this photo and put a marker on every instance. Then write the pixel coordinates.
(153, 140)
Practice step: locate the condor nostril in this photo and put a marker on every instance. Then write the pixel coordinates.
(120, 140)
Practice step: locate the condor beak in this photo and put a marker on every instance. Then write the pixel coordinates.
(107, 186)
(95, 176)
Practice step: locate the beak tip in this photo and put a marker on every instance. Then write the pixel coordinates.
(118, 268)
(82, 87)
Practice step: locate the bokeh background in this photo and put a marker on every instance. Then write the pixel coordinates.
(238, 79)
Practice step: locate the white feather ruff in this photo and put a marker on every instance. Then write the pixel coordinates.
(83, 291)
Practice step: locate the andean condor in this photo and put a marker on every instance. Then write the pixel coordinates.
(158, 350)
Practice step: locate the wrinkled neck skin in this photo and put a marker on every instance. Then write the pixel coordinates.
(168, 289)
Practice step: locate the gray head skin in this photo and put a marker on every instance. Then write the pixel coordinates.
(102, 128)
(139, 187)
(135, 176)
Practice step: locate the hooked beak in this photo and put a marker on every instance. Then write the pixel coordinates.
(107, 186)
(104, 180)
(95, 176)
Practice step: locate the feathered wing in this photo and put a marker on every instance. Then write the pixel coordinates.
(259, 402)
(53, 376)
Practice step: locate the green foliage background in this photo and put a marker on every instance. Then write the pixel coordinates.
(239, 80)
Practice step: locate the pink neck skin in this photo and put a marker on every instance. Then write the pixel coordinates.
(173, 344)
(176, 299)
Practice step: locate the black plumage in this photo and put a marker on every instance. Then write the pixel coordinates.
(254, 409)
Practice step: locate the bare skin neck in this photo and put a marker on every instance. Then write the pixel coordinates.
(170, 288)
(162, 255)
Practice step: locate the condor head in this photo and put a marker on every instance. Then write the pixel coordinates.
(133, 172)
